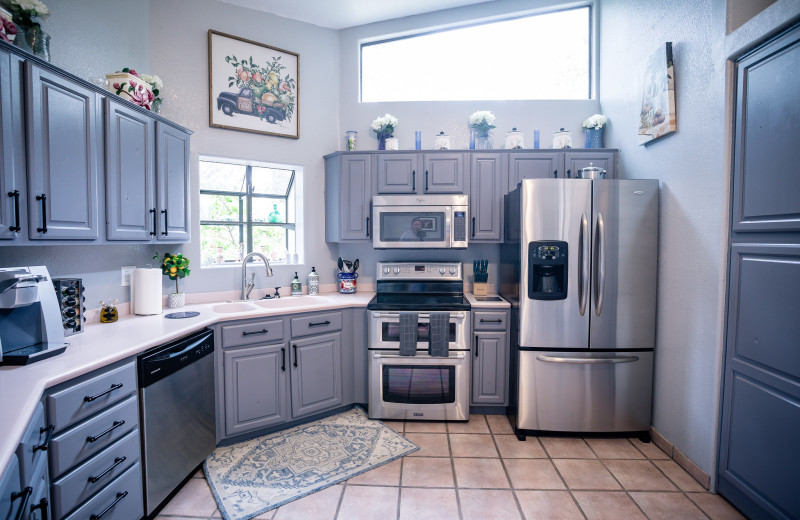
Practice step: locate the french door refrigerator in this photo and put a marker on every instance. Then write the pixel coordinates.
(579, 266)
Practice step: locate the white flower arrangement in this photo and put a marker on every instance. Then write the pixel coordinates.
(153, 80)
(482, 120)
(25, 11)
(384, 125)
(595, 122)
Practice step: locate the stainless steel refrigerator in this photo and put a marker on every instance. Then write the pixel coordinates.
(579, 264)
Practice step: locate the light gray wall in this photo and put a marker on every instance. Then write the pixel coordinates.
(693, 166)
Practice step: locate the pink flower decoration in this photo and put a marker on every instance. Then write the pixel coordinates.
(116, 85)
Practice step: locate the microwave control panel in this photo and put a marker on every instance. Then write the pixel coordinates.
(419, 271)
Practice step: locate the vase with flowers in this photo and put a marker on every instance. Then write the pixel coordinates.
(384, 128)
(26, 15)
(482, 122)
(593, 131)
(176, 267)
(156, 86)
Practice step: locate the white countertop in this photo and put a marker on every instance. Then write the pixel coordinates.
(484, 304)
(101, 344)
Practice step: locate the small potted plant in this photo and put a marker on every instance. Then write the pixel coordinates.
(593, 131)
(482, 122)
(384, 127)
(176, 267)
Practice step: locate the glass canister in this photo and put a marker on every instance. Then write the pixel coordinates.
(392, 143)
(514, 140)
(562, 139)
(350, 140)
(441, 141)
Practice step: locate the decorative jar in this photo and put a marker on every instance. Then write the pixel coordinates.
(382, 137)
(593, 137)
(441, 141)
(514, 140)
(350, 140)
(392, 143)
(176, 300)
(562, 139)
(132, 88)
(483, 140)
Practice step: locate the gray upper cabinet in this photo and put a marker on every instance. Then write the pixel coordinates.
(444, 173)
(533, 165)
(348, 190)
(316, 373)
(577, 159)
(486, 197)
(64, 153)
(12, 168)
(397, 173)
(130, 174)
(172, 184)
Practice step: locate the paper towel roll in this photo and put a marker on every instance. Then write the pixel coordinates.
(146, 291)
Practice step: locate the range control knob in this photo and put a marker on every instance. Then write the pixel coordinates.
(385, 270)
(396, 270)
(452, 270)
(442, 270)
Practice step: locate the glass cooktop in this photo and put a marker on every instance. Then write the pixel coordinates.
(418, 302)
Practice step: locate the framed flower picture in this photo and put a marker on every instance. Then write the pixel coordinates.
(657, 116)
(253, 87)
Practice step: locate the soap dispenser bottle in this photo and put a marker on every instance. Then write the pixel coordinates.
(297, 287)
(313, 282)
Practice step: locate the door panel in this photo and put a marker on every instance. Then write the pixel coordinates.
(574, 161)
(624, 263)
(355, 197)
(444, 173)
(172, 184)
(489, 368)
(316, 374)
(486, 197)
(533, 165)
(396, 173)
(255, 388)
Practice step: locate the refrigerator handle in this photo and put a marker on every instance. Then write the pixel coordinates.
(588, 361)
(600, 265)
(583, 262)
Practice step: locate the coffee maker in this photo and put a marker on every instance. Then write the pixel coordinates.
(30, 320)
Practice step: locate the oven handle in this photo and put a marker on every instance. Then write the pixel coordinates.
(377, 355)
(421, 315)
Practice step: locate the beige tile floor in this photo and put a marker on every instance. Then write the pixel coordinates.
(479, 470)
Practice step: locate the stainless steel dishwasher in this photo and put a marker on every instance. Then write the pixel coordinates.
(176, 391)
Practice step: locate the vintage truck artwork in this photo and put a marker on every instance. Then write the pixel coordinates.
(254, 87)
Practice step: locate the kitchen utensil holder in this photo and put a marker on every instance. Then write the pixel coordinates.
(480, 289)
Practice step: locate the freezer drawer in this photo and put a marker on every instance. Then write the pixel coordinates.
(585, 392)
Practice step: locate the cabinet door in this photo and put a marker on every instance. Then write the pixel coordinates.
(255, 388)
(130, 175)
(316, 374)
(574, 161)
(534, 165)
(63, 156)
(486, 197)
(355, 194)
(489, 368)
(11, 499)
(397, 173)
(444, 173)
(172, 184)
(10, 190)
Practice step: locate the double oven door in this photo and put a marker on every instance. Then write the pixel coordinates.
(418, 387)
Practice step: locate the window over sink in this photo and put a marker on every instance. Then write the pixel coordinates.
(540, 56)
(247, 206)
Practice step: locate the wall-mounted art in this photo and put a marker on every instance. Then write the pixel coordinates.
(658, 116)
(253, 87)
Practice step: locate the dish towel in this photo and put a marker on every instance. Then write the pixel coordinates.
(408, 333)
(439, 334)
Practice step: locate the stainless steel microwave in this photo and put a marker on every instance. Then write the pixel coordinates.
(420, 221)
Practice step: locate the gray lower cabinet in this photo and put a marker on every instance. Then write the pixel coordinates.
(487, 174)
(12, 496)
(348, 193)
(24, 487)
(64, 152)
(316, 373)
(490, 358)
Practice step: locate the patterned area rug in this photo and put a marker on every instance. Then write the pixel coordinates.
(255, 476)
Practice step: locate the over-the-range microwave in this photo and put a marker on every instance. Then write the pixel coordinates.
(420, 221)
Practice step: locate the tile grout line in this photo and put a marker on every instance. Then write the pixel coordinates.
(505, 471)
(563, 480)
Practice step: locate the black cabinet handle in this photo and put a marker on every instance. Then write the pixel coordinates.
(43, 503)
(115, 386)
(248, 333)
(155, 221)
(166, 229)
(414, 181)
(294, 347)
(426, 181)
(326, 322)
(367, 226)
(116, 425)
(283, 359)
(491, 321)
(15, 195)
(117, 462)
(555, 174)
(46, 444)
(473, 227)
(476, 346)
(43, 199)
(25, 495)
(569, 174)
(120, 496)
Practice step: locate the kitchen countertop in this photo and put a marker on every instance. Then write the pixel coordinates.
(484, 304)
(102, 344)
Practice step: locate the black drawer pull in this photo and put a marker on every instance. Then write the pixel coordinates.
(476, 346)
(473, 227)
(283, 359)
(426, 181)
(115, 386)
(117, 462)
(15, 227)
(43, 503)
(249, 333)
(294, 347)
(555, 174)
(155, 222)
(491, 321)
(413, 181)
(43, 199)
(25, 495)
(46, 444)
(166, 223)
(120, 496)
(367, 226)
(116, 425)
(326, 322)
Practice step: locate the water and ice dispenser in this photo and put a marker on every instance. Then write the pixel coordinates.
(548, 271)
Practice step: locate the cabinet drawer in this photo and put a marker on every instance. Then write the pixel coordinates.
(316, 324)
(86, 439)
(487, 320)
(32, 447)
(88, 478)
(81, 400)
(251, 333)
(120, 500)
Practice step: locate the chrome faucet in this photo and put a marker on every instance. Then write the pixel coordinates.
(247, 286)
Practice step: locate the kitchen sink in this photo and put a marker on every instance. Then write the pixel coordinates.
(287, 303)
(225, 308)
